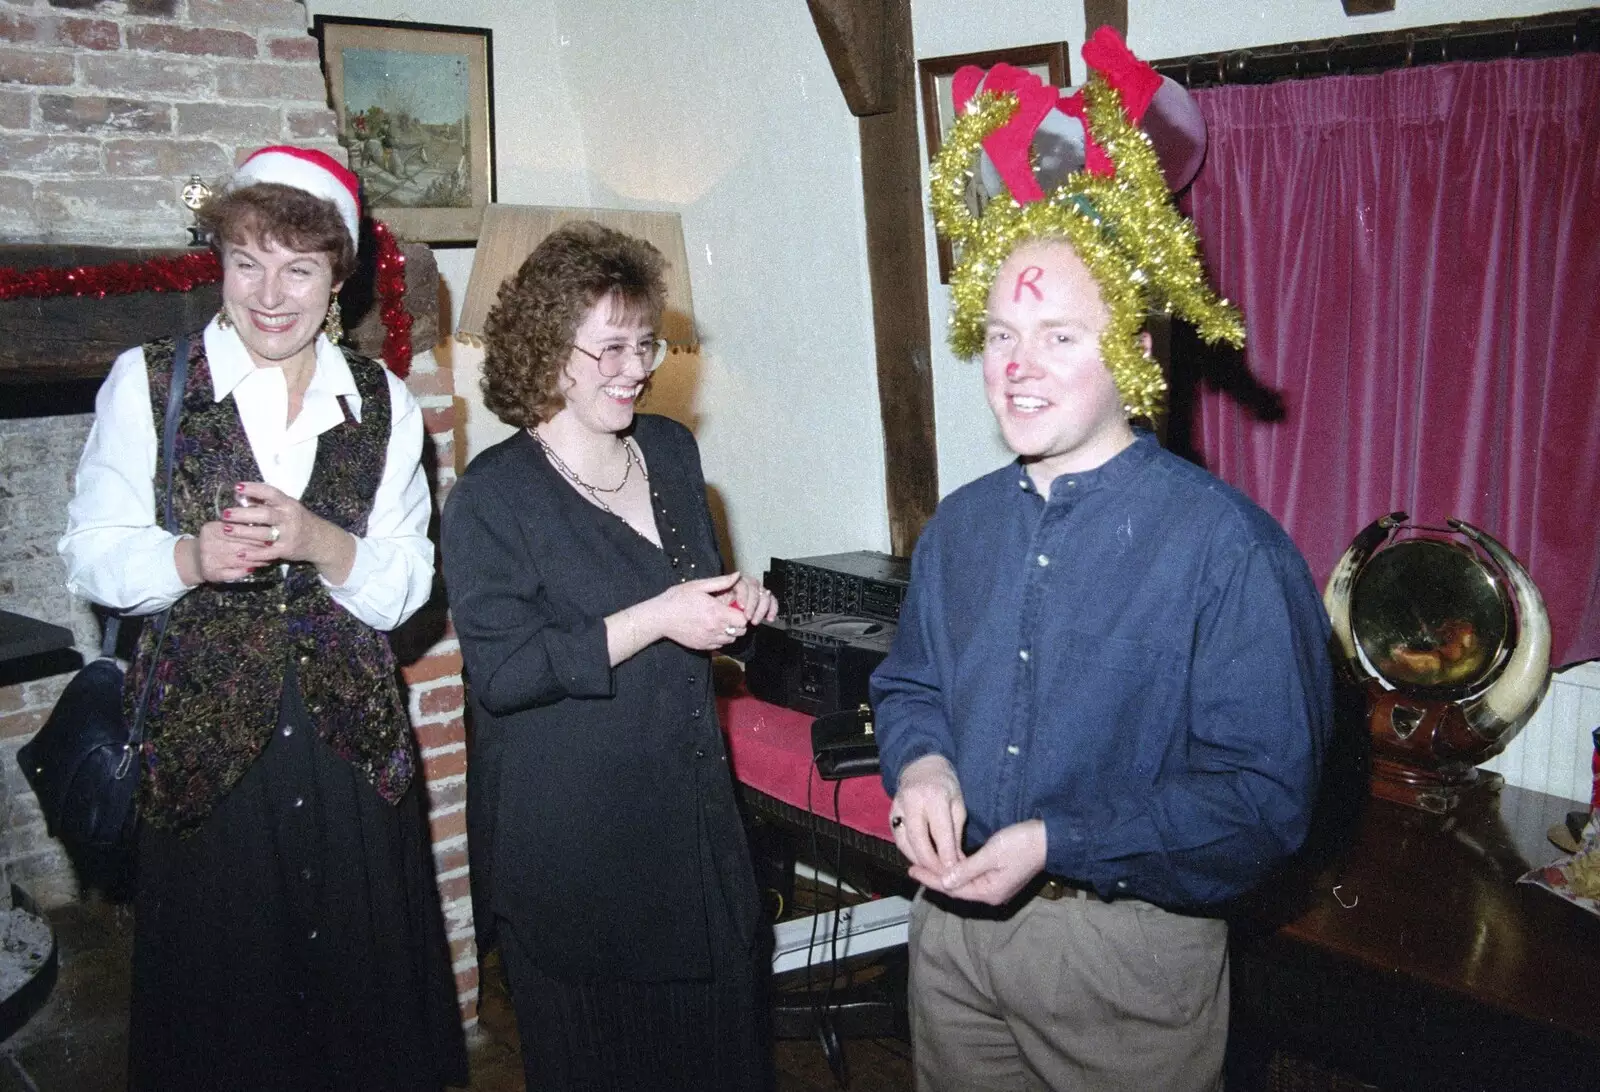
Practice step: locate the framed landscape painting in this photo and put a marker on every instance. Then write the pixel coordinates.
(415, 109)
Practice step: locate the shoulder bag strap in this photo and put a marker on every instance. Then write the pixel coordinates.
(169, 442)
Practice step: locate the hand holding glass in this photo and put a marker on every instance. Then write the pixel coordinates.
(226, 496)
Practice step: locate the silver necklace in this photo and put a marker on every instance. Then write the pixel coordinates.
(594, 491)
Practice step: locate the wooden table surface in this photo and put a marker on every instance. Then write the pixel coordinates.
(1436, 898)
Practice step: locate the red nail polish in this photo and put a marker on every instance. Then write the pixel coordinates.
(227, 528)
(238, 487)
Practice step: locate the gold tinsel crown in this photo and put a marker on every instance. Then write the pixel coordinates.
(1116, 212)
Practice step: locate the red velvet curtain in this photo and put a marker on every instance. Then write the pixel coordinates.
(1417, 255)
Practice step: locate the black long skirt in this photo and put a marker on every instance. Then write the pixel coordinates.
(295, 940)
(613, 1035)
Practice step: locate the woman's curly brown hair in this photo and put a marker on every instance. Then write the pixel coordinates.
(268, 212)
(528, 335)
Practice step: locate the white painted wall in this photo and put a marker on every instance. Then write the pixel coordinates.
(537, 145)
(727, 111)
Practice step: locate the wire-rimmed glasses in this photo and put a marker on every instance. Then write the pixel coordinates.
(613, 356)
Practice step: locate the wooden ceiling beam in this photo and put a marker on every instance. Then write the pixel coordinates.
(1105, 13)
(869, 44)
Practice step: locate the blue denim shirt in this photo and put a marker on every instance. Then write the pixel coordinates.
(1141, 661)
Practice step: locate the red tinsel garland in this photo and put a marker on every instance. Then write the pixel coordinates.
(392, 301)
(188, 271)
(178, 274)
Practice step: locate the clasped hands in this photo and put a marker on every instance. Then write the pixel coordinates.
(708, 614)
(927, 818)
(265, 527)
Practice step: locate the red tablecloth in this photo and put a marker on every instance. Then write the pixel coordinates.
(770, 748)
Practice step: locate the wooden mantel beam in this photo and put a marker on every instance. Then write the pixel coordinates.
(69, 338)
(868, 42)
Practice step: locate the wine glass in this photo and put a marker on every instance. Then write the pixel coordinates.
(224, 497)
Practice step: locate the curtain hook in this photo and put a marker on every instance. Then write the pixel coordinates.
(1327, 58)
(1444, 46)
(1516, 37)
(1411, 48)
(1295, 51)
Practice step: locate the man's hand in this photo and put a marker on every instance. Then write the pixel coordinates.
(927, 816)
(996, 872)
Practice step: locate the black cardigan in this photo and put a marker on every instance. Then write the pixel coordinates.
(601, 817)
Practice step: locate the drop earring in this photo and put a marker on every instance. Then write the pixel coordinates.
(333, 325)
(223, 321)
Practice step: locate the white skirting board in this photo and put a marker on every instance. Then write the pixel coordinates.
(863, 928)
(1553, 752)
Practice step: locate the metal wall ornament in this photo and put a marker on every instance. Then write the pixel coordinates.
(1447, 635)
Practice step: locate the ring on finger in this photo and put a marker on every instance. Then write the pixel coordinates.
(731, 631)
(273, 533)
(897, 821)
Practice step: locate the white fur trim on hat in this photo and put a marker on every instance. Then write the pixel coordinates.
(317, 173)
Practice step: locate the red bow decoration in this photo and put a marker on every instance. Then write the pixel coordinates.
(1133, 80)
(1008, 147)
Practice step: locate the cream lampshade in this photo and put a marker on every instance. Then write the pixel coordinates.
(509, 233)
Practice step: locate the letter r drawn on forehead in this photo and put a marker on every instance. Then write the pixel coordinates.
(1029, 279)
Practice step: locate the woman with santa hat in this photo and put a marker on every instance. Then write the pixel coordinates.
(287, 930)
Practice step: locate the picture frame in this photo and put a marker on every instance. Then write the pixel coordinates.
(414, 104)
(1050, 61)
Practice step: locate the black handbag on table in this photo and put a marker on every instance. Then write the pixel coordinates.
(842, 744)
(83, 764)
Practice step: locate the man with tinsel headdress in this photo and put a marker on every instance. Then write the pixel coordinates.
(1106, 707)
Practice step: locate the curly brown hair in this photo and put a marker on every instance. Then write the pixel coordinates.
(269, 212)
(528, 335)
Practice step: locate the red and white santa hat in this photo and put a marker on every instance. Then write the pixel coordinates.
(307, 169)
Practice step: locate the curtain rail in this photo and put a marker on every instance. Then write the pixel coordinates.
(1556, 34)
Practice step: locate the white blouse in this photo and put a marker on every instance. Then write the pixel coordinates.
(118, 554)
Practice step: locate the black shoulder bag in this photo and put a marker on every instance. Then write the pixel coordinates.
(83, 764)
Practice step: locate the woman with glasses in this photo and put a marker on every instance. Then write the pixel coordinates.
(608, 860)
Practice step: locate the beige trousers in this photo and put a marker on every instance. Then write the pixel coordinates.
(1064, 995)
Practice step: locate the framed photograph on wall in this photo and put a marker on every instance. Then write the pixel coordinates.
(415, 107)
(1049, 61)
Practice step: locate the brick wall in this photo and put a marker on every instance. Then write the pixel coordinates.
(36, 461)
(106, 109)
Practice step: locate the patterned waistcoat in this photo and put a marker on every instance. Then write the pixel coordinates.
(227, 647)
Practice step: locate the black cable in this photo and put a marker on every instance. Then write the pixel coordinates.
(815, 890)
(822, 1020)
(832, 1045)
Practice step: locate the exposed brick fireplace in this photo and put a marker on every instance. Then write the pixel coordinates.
(106, 109)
